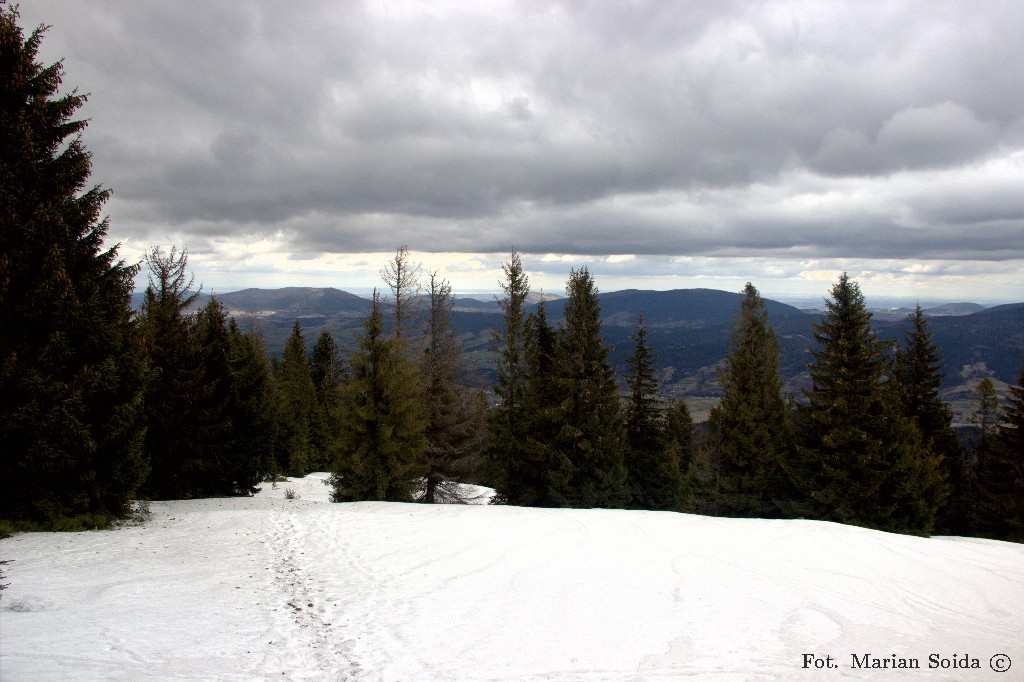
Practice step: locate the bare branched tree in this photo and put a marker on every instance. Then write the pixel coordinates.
(403, 278)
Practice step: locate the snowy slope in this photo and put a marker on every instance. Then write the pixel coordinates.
(269, 588)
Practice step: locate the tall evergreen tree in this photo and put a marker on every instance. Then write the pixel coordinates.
(252, 412)
(919, 376)
(643, 407)
(986, 421)
(174, 378)
(297, 407)
(1000, 464)
(507, 426)
(381, 439)
(591, 438)
(538, 470)
(1001, 474)
(652, 467)
(701, 492)
(326, 366)
(71, 364)
(860, 457)
(453, 436)
(681, 446)
(213, 429)
(986, 418)
(679, 432)
(750, 423)
(230, 417)
(326, 371)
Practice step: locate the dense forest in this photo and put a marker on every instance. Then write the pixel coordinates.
(101, 406)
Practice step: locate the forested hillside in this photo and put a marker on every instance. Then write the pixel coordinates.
(690, 328)
(572, 402)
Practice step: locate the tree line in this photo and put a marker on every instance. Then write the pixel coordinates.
(100, 406)
(870, 443)
(387, 415)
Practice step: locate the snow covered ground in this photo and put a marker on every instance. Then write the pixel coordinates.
(267, 588)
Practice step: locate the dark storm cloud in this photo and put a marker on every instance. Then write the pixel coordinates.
(852, 129)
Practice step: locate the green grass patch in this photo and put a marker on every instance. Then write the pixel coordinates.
(70, 524)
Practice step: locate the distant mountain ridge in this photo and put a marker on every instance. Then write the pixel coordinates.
(944, 310)
(684, 308)
(689, 329)
(304, 301)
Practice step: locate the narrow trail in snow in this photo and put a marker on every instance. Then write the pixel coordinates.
(301, 597)
(371, 588)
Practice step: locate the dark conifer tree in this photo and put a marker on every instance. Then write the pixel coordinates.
(1003, 499)
(380, 443)
(643, 417)
(326, 370)
(1001, 468)
(681, 446)
(652, 467)
(860, 458)
(986, 418)
(701, 493)
(591, 438)
(213, 431)
(326, 367)
(679, 432)
(175, 376)
(296, 407)
(986, 421)
(945, 468)
(749, 425)
(252, 412)
(71, 364)
(507, 425)
(453, 437)
(539, 470)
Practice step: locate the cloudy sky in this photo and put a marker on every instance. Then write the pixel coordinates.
(663, 144)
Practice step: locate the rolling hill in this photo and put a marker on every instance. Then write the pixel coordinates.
(689, 329)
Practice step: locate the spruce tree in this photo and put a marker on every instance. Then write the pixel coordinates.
(71, 362)
(1002, 476)
(251, 410)
(380, 443)
(539, 470)
(980, 444)
(175, 376)
(652, 467)
(1000, 464)
(326, 370)
(700, 484)
(326, 367)
(681, 447)
(945, 468)
(453, 436)
(679, 432)
(985, 418)
(591, 438)
(297, 407)
(214, 431)
(750, 423)
(860, 458)
(507, 425)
